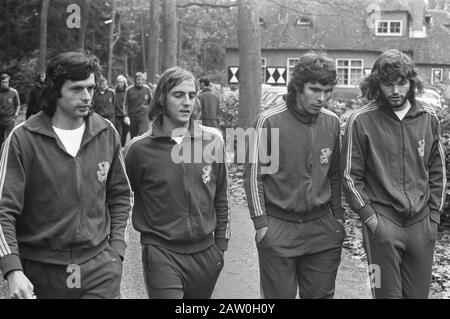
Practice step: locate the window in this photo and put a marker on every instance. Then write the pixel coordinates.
(291, 62)
(436, 76)
(389, 28)
(263, 69)
(349, 72)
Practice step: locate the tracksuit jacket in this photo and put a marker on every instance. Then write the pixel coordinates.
(180, 205)
(137, 101)
(56, 208)
(104, 103)
(9, 102)
(118, 105)
(392, 167)
(308, 181)
(210, 105)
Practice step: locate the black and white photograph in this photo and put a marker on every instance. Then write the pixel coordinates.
(233, 152)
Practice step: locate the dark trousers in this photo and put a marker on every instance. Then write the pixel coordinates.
(5, 129)
(400, 258)
(139, 125)
(171, 275)
(304, 256)
(99, 278)
(122, 129)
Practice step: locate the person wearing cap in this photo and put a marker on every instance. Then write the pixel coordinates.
(103, 102)
(65, 199)
(295, 198)
(395, 179)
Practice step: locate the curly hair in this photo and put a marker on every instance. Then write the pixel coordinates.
(169, 79)
(73, 66)
(390, 66)
(312, 67)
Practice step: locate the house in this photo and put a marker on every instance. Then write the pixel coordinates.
(354, 34)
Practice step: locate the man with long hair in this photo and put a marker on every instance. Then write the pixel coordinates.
(181, 207)
(297, 210)
(394, 178)
(65, 198)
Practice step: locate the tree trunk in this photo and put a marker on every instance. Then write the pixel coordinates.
(153, 48)
(8, 31)
(169, 57)
(111, 41)
(143, 46)
(249, 38)
(43, 35)
(84, 23)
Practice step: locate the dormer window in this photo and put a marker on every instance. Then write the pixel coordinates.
(389, 27)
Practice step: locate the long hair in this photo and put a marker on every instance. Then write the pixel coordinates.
(73, 66)
(390, 66)
(124, 79)
(312, 67)
(169, 79)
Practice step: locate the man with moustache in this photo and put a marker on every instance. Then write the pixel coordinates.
(65, 198)
(394, 178)
(181, 207)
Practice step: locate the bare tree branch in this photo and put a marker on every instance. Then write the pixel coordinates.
(210, 5)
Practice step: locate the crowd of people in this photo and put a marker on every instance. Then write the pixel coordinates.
(71, 183)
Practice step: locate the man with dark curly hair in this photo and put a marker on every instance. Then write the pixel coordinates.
(394, 178)
(296, 210)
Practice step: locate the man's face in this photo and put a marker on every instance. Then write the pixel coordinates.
(76, 96)
(42, 77)
(313, 98)
(140, 81)
(103, 85)
(4, 84)
(395, 93)
(180, 103)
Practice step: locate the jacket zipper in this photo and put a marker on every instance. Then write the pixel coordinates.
(77, 230)
(404, 173)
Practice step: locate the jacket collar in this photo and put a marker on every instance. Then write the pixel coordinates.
(195, 129)
(301, 116)
(42, 124)
(415, 110)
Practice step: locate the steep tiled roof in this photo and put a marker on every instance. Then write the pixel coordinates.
(350, 31)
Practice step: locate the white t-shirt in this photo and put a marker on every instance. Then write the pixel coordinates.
(401, 114)
(71, 139)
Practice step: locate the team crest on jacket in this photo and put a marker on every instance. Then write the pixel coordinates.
(421, 148)
(206, 176)
(102, 173)
(325, 157)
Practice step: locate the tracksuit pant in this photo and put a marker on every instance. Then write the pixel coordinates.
(300, 255)
(138, 125)
(172, 275)
(97, 278)
(400, 258)
(5, 129)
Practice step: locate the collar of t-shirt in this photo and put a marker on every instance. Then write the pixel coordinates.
(401, 114)
(71, 139)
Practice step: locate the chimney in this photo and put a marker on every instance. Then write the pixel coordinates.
(417, 26)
